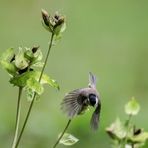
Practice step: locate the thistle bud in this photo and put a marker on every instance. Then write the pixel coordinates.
(45, 17)
(55, 24)
(47, 24)
(60, 25)
(34, 49)
(60, 21)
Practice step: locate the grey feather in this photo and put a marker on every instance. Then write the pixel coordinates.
(72, 103)
(92, 80)
(94, 122)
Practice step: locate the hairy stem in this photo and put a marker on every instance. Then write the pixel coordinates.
(67, 125)
(18, 111)
(33, 99)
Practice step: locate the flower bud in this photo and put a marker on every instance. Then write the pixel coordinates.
(34, 49)
(60, 26)
(45, 17)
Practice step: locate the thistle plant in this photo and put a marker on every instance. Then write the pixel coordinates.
(23, 67)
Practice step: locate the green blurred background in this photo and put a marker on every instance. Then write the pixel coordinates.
(108, 38)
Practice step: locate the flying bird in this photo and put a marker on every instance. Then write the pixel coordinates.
(78, 100)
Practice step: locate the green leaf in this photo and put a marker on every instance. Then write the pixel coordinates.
(7, 54)
(63, 28)
(142, 137)
(132, 107)
(53, 83)
(59, 29)
(29, 93)
(35, 86)
(68, 139)
(20, 61)
(21, 80)
(38, 64)
(33, 57)
(10, 67)
(28, 54)
(116, 130)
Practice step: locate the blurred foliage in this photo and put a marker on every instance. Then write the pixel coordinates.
(125, 134)
(109, 38)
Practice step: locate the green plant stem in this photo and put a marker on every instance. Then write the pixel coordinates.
(67, 125)
(32, 102)
(18, 112)
(127, 124)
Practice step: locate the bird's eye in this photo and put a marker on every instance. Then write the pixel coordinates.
(92, 99)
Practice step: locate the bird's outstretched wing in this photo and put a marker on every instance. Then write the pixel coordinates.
(73, 103)
(94, 122)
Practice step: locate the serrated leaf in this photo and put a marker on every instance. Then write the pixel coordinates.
(21, 80)
(30, 94)
(68, 139)
(53, 83)
(116, 130)
(9, 67)
(7, 54)
(132, 107)
(35, 86)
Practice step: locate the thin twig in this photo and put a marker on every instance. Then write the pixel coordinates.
(18, 111)
(67, 125)
(33, 99)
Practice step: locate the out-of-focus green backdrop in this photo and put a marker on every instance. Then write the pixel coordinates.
(108, 38)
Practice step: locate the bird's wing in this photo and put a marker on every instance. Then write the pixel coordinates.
(73, 103)
(92, 80)
(94, 122)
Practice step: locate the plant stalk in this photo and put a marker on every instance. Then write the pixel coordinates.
(67, 125)
(127, 131)
(18, 112)
(33, 99)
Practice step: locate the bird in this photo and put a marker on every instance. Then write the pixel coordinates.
(77, 101)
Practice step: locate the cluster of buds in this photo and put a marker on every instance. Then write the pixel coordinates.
(54, 24)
